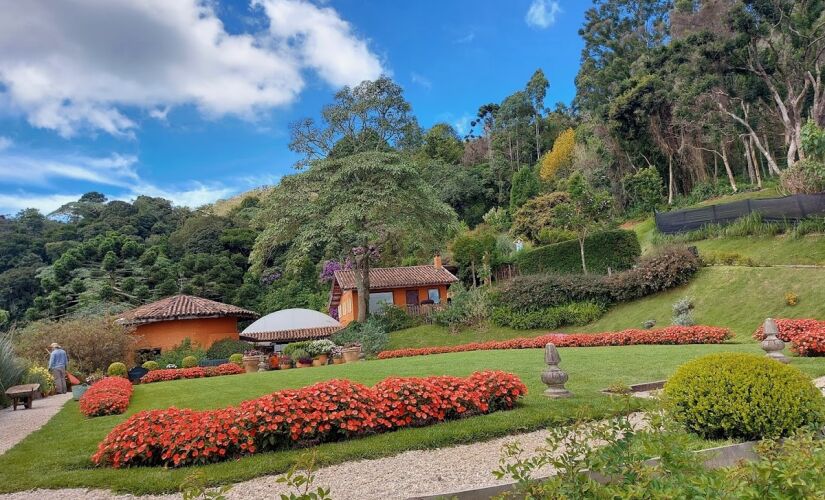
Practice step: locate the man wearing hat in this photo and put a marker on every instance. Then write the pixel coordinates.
(58, 361)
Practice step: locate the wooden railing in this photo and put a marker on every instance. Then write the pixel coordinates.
(422, 309)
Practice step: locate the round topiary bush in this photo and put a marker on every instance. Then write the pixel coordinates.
(236, 358)
(117, 369)
(151, 365)
(746, 396)
(189, 362)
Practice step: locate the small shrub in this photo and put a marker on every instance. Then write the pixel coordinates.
(619, 388)
(294, 346)
(728, 259)
(683, 312)
(301, 356)
(40, 375)
(117, 369)
(321, 347)
(236, 358)
(467, 308)
(189, 362)
(791, 298)
(222, 349)
(397, 318)
(648, 324)
(743, 396)
(370, 335)
(151, 365)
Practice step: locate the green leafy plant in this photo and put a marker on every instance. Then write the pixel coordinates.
(12, 368)
(175, 355)
(195, 487)
(618, 250)
(468, 307)
(223, 349)
(116, 369)
(577, 313)
(370, 335)
(321, 347)
(791, 298)
(301, 478)
(683, 312)
(150, 365)
(40, 375)
(189, 362)
(236, 358)
(301, 356)
(746, 396)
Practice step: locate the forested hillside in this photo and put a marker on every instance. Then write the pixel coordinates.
(676, 102)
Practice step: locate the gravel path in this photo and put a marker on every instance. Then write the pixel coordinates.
(16, 425)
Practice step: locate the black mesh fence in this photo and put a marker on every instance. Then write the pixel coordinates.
(787, 208)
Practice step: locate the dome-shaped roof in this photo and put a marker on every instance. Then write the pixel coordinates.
(291, 324)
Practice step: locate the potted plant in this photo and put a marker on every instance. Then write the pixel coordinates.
(337, 355)
(302, 358)
(274, 361)
(251, 359)
(284, 362)
(320, 351)
(352, 352)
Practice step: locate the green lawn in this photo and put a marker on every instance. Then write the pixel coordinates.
(739, 298)
(58, 455)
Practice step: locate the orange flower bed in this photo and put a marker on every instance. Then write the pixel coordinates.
(806, 336)
(109, 396)
(328, 411)
(196, 372)
(671, 335)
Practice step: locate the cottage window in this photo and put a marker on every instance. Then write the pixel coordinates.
(433, 295)
(379, 300)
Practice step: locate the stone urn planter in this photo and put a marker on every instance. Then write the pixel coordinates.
(78, 391)
(352, 354)
(303, 364)
(284, 365)
(250, 363)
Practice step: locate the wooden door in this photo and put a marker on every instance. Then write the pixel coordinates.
(412, 297)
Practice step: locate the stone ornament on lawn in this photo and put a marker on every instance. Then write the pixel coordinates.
(553, 376)
(772, 344)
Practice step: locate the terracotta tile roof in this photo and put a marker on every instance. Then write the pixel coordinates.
(183, 307)
(291, 335)
(398, 277)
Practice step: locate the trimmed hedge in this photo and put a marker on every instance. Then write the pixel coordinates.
(576, 314)
(670, 268)
(745, 396)
(194, 372)
(327, 411)
(618, 249)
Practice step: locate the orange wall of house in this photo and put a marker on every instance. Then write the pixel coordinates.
(399, 298)
(168, 334)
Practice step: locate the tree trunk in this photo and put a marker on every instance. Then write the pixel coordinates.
(756, 165)
(669, 187)
(473, 272)
(727, 168)
(581, 251)
(362, 285)
(538, 148)
(749, 159)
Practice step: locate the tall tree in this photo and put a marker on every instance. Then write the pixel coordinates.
(351, 207)
(536, 92)
(372, 116)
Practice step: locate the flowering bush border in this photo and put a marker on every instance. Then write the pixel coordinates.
(671, 335)
(806, 336)
(196, 372)
(109, 396)
(327, 411)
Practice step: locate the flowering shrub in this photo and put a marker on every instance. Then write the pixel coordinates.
(672, 335)
(807, 336)
(196, 372)
(327, 411)
(109, 396)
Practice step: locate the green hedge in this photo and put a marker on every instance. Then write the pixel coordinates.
(573, 314)
(618, 250)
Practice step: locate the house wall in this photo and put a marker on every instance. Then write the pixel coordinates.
(167, 334)
(348, 308)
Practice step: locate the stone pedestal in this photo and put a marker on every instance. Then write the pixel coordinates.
(553, 376)
(772, 344)
(263, 365)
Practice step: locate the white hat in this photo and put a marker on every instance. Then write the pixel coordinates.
(55, 345)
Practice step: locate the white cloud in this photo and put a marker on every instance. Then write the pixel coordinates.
(26, 169)
(5, 143)
(68, 66)
(421, 80)
(469, 37)
(196, 194)
(10, 204)
(462, 125)
(542, 13)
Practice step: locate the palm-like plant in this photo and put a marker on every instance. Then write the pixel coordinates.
(12, 369)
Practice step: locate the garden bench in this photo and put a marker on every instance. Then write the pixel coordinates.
(22, 393)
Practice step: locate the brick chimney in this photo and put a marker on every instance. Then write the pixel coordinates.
(437, 261)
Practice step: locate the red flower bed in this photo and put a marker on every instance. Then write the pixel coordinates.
(109, 396)
(806, 336)
(669, 335)
(196, 372)
(327, 411)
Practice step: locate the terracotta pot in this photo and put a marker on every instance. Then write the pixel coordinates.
(250, 363)
(352, 354)
(317, 362)
(304, 365)
(284, 366)
(273, 362)
(323, 358)
(338, 361)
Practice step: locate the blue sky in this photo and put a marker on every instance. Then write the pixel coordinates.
(191, 99)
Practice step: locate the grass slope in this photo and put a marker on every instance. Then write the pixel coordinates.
(739, 298)
(58, 454)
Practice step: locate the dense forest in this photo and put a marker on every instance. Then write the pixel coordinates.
(676, 101)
